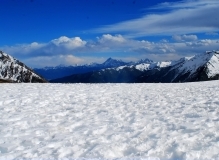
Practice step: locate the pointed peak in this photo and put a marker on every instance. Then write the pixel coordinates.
(111, 59)
(110, 62)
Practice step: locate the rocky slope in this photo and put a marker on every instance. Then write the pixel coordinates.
(12, 70)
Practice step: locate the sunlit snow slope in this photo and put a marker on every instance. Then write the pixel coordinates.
(206, 64)
(12, 70)
(200, 67)
(167, 121)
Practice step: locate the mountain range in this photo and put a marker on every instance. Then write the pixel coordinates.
(62, 71)
(200, 67)
(12, 70)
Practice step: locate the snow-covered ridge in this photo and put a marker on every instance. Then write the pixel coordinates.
(208, 60)
(13, 70)
(148, 66)
(211, 59)
(213, 65)
(201, 67)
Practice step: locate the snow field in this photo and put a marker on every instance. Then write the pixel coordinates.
(109, 121)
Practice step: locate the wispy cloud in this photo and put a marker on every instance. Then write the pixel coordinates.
(75, 50)
(184, 4)
(212, 34)
(184, 17)
(185, 37)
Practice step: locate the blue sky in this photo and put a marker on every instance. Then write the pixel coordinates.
(52, 32)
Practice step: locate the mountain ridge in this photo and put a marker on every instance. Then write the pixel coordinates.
(200, 67)
(63, 71)
(12, 70)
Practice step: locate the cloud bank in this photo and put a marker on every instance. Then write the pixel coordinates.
(75, 50)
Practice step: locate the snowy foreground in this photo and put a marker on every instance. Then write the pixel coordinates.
(109, 121)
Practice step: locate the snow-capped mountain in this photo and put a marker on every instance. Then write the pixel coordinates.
(200, 67)
(62, 71)
(12, 70)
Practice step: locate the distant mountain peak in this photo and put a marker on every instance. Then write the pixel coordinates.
(109, 59)
(110, 62)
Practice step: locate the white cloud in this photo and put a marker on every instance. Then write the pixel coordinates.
(69, 43)
(35, 45)
(109, 42)
(184, 17)
(185, 37)
(70, 59)
(204, 42)
(106, 38)
(62, 45)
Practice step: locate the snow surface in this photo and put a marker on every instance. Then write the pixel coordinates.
(108, 121)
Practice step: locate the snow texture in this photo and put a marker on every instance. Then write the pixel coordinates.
(110, 121)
